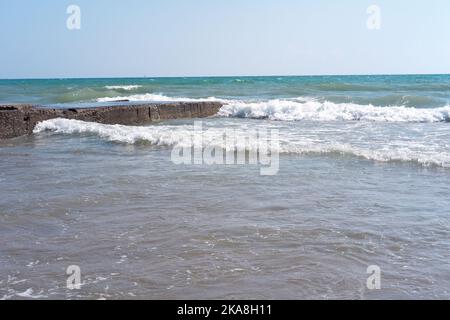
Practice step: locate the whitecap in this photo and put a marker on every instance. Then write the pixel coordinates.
(426, 154)
(150, 97)
(315, 110)
(124, 87)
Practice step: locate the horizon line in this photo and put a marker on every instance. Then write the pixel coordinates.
(231, 76)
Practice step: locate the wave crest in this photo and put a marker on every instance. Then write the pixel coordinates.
(171, 135)
(151, 97)
(314, 110)
(124, 87)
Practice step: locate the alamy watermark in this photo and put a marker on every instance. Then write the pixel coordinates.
(73, 22)
(374, 279)
(374, 19)
(229, 147)
(74, 280)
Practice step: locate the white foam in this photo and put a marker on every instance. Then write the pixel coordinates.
(303, 108)
(156, 135)
(384, 154)
(150, 97)
(314, 110)
(126, 88)
(385, 150)
(29, 294)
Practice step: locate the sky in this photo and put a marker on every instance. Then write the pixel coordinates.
(136, 38)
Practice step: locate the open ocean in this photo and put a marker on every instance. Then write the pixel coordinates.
(364, 179)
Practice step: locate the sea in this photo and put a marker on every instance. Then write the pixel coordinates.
(358, 208)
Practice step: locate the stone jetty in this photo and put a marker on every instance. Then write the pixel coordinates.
(19, 120)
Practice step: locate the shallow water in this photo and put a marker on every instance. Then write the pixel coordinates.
(348, 194)
(363, 179)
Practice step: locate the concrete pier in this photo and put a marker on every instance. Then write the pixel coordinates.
(19, 120)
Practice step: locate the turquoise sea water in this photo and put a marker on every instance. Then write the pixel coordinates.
(422, 91)
(364, 179)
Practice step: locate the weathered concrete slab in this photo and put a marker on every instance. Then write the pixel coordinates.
(18, 120)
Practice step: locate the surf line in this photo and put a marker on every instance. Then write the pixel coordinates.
(230, 148)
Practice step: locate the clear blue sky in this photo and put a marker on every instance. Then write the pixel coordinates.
(222, 37)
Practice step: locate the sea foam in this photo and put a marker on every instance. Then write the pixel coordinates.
(314, 110)
(152, 97)
(298, 109)
(124, 87)
(173, 135)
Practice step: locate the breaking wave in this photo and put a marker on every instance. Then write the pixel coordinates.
(150, 97)
(302, 108)
(315, 110)
(126, 88)
(171, 135)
